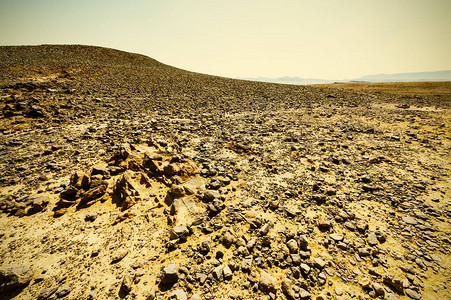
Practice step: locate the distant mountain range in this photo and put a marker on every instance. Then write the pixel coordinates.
(399, 77)
(291, 80)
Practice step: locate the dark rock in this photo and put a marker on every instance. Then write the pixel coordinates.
(169, 274)
(179, 232)
(228, 239)
(324, 223)
(227, 273)
(14, 276)
(39, 203)
(80, 180)
(126, 285)
(63, 291)
(217, 272)
(47, 292)
(210, 195)
(246, 264)
(394, 282)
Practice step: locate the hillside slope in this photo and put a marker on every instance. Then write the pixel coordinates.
(124, 178)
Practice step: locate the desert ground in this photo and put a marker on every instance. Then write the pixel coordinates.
(124, 178)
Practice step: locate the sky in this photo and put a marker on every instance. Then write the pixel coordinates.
(326, 39)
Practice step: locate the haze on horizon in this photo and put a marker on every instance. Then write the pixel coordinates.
(310, 39)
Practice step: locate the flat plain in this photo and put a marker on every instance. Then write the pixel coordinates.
(409, 89)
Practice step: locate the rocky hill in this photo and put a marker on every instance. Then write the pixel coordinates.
(124, 178)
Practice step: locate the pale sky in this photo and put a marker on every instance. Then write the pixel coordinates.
(243, 38)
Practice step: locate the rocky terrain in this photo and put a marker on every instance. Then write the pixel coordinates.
(124, 178)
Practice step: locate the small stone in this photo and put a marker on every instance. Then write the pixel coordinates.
(267, 283)
(394, 282)
(91, 295)
(215, 185)
(324, 223)
(201, 277)
(296, 259)
(250, 245)
(412, 294)
(293, 246)
(362, 225)
(304, 294)
(410, 220)
(226, 180)
(305, 254)
(179, 232)
(305, 268)
(56, 147)
(47, 292)
(205, 246)
(246, 264)
(338, 291)
(39, 203)
(363, 252)
(217, 272)
(91, 216)
(43, 177)
(287, 288)
(265, 229)
(228, 239)
(372, 239)
(169, 274)
(303, 241)
(119, 255)
(210, 195)
(378, 289)
(195, 296)
(63, 291)
(178, 294)
(365, 282)
(99, 170)
(337, 237)
(126, 286)
(319, 263)
(273, 204)
(227, 273)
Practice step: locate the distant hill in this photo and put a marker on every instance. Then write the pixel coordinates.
(406, 77)
(399, 77)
